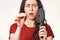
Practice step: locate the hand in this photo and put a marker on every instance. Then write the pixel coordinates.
(20, 19)
(42, 32)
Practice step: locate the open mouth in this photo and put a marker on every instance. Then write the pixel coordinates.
(31, 14)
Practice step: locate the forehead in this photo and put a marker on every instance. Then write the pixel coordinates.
(31, 2)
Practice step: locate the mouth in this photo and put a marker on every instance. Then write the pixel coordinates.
(31, 14)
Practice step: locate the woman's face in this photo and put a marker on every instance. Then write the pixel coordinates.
(31, 9)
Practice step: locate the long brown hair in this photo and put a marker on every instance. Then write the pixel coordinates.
(41, 16)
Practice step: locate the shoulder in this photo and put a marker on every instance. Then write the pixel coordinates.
(14, 25)
(13, 28)
(49, 30)
(47, 26)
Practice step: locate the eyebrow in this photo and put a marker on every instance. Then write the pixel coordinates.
(32, 4)
(27, 4)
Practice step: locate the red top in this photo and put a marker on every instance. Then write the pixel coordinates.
(26, 32)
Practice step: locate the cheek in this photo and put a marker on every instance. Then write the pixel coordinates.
(36, 10)
(26, 10)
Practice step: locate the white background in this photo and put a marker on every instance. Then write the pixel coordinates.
(10, 8)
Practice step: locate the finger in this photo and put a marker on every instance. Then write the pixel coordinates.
(42, 34)
(45, 32)
(42, 27)
(42, 30)
(22, 14)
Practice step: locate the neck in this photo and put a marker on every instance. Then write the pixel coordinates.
(29, 23)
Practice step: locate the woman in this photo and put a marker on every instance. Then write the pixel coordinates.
(26, 26)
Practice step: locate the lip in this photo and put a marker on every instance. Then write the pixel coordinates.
(31, 14)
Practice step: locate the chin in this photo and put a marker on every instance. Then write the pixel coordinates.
(32, 18)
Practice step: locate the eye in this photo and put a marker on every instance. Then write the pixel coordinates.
(27, 5)
(35, 5)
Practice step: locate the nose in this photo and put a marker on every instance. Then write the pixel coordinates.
(31, 8)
